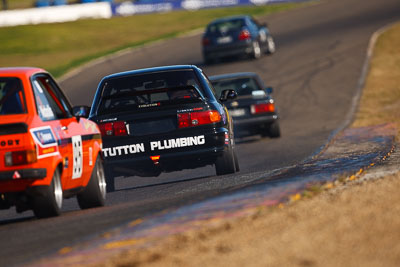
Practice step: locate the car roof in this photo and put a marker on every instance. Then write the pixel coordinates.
(20, 71)
(233, 75)
(149, 70)
(229, 18)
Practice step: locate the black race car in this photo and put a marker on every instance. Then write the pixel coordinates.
(163, 119)
(254, 111)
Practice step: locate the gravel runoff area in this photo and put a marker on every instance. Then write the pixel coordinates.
(352, 222)
(356, 223)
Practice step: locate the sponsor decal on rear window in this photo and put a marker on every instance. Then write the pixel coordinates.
(155, 145)
(149, 105)
(46, 112)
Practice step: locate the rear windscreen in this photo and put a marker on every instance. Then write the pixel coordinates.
(11, 96)
(242, 86)
(149, 90)
(225, 27)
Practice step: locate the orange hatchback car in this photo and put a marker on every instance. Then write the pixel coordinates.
(48, 150)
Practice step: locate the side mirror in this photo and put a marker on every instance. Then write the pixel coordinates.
(269, 90)
(227, 94)
(81, 111)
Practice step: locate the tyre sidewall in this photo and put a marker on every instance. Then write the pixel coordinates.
(274, 130)
(256, 53)
(94, 195)
(271, 45)
(225, 164)
(46, 203)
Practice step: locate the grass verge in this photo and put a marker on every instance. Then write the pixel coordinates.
(380, 102)
(63, 46)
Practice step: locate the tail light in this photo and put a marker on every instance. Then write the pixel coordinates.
(244, 35)
(198, 118)
(155, 159)
(20, 157)
(206, 41)
(116, 128)
(120, 128)
(262, 108)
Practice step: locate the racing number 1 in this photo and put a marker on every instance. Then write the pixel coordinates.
(77, 163)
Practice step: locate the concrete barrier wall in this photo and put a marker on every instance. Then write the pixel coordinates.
(107, 10)
(132, 8)
(55, 14)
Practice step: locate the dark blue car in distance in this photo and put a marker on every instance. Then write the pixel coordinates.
(236, 36)
(163, 119)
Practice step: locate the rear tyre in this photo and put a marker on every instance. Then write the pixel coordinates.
(225, 164)
(48, 202)
(110, 184)
(94, 195)
(237, 167)
(274, 130)
(256, 51)
(270, 45)
(210, 60)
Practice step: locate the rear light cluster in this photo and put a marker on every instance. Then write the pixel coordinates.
(262, 108)
(198, 118)
(206, 41)
(244, 35)
(116, 128)
(20, 157)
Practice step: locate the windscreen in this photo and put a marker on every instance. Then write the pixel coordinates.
(242, 86)
(150, 90)
(11, 96)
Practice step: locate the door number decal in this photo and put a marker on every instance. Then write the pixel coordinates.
(77, 163)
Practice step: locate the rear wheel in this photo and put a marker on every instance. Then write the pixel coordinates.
(210, 60)
(237, 167)
(48, 202)
(94, 194)
(270, 45)
(256, 51)
(273, 130)
(225, 164)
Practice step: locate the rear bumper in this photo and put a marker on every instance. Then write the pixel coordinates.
(255, 125)
(173, 159)
(254, 121)
(228, 50)
(145, 166)
(23, 174)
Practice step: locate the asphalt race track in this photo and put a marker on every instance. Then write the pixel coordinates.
(315, 73)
